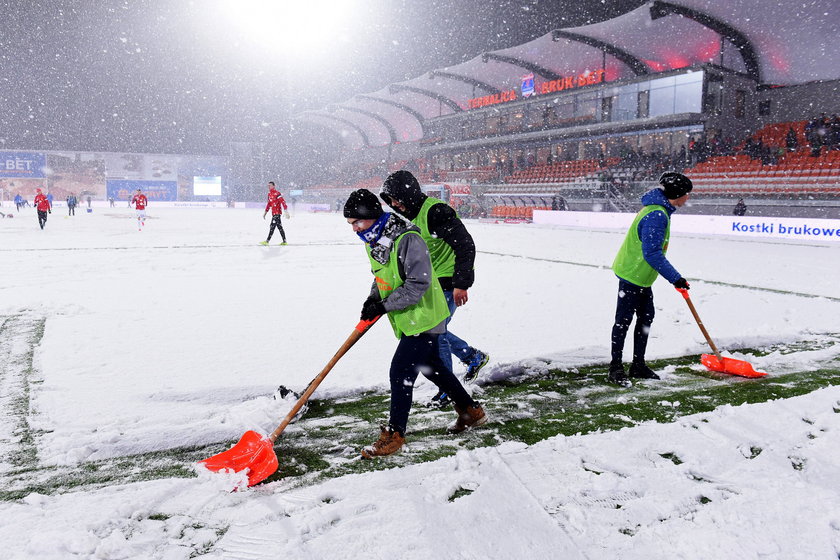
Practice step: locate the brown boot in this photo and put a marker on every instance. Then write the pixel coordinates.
(472, 417)
(389, 442)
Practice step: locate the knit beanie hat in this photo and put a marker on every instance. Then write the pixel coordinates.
(675, 185)
(362, 204)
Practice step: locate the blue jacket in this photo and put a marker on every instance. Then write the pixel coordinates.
(652, 233)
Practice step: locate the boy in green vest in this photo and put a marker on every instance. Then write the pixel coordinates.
(407, 290)
(639, 261)
(453, 255)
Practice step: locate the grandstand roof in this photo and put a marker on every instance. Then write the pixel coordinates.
(783, 43)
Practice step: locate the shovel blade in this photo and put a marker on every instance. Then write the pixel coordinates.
(253, 451)
(730, 366)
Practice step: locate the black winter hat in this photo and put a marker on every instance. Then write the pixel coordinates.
(403, 186)
(675, 185)
(362, 204)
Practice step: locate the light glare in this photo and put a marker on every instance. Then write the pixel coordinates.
(301, 27)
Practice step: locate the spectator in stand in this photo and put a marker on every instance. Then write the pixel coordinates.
(815, 132)
(44, 207)
(740, 208)
(681, 157)
(768, 155)
(558, 203)
(834, 132)
(692, 151)
(759, 151)
(791, 141)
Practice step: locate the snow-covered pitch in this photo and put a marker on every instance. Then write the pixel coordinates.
(178, 335)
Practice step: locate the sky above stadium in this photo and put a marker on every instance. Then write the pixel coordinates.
(191, 76)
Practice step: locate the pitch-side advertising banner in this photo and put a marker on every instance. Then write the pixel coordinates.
(801, 229)
(23, 165)
(154, 190)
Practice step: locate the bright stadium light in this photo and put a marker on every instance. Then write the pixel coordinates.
(291, 26)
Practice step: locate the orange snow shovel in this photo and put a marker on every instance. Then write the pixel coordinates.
(718, 362)
(255, 451)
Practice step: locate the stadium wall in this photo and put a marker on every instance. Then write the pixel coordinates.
(808, 230)
(800, 102)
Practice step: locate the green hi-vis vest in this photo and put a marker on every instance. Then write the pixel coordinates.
(429, 312)
(630, 263)
(442, 254)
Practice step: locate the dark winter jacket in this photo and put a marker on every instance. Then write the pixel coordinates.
(443, 223)
(652, 234)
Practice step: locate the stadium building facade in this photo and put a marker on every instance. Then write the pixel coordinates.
(594, 112)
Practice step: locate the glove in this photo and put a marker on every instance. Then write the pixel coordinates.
(372, 308)
(681, 284)
(49, 211)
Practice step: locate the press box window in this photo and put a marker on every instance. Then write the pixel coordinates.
(764, 107)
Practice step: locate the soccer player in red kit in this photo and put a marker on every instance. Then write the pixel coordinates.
(277, 204)
(42, 204)
(140, 201)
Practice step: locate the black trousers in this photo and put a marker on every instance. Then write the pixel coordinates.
(632, 300)
(42, 218)
(415, 355)
(71, 210)
(276, 223)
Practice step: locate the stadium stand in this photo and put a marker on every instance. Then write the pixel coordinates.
(592, 115)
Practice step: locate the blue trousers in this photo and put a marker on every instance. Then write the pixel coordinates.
(415, 355)
(451, 344)
(632, 300)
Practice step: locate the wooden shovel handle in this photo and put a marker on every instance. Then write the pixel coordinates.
(357, 333)
(685, 295)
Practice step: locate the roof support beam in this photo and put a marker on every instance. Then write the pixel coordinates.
(530, 66)
(396, 88)
(351, 124)
(635, 64)
(466, 79)
(391, 131)
(400, 106)
(661, 9)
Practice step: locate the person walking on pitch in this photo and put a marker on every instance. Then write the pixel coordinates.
(43, 206)
(639, 261)
(453, 254)
(72, 201)
(140, 202)
(276, 203)
(406, 289)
